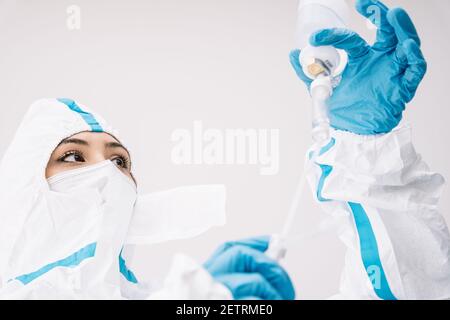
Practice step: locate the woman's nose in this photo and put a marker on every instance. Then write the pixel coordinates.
(97, 157)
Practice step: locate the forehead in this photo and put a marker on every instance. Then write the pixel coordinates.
(92, 140)
(94, 137)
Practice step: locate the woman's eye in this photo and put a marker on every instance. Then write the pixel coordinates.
(72, 157)
(120, 162)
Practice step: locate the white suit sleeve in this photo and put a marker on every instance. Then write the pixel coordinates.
(398, 245)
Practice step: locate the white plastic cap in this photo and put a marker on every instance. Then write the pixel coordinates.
(335, 60)
(314, 15)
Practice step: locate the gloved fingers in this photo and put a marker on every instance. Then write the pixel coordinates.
(294, 57)
(416, 70)
(243, 259)
(377, 12)
(258, 243)
(344, 39)
(403, 25)
(244, 285)
(400, 57)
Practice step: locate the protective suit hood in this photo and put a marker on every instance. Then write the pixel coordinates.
(73, 242)
(22, 170)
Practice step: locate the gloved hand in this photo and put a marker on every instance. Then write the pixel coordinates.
(248, 273)
(378, 81)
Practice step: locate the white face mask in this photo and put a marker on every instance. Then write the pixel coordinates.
(157, 217)
(109, 196)
(93, 176)
(101, 185)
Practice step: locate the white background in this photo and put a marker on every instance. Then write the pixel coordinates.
(153, 66)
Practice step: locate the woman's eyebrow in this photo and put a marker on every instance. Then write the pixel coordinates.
(110, 145)
(75, 141)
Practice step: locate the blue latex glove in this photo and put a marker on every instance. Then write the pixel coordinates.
(248, 273)
(378, 81)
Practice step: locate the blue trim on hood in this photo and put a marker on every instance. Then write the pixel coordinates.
(87, 117)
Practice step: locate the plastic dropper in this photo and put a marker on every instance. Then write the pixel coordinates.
(321, 90)
(322, 65)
